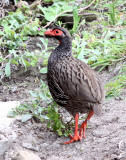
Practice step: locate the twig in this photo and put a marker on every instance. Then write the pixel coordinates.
(8, 56)
(56, 18)
(79, 10)
(37, 2)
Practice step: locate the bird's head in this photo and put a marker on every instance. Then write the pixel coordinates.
(59, 33)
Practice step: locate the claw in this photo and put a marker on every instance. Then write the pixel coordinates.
(74, 138)
(83, 129)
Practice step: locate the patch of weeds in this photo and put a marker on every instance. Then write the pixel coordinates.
(100, 53)
(116, 85)
(43, 108)
(113, 15)
(17, 28)
(26, 59)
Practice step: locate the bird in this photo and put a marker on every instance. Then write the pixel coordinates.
(73, 84)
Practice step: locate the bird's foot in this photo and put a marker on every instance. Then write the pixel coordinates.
(83, 129)
(84, 124)
(76, 137)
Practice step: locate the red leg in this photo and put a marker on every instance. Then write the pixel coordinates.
(76, 136)
(84, 124)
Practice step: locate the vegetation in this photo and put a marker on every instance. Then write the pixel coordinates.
(102, 45)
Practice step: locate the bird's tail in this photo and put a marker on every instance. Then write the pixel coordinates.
(97, 109)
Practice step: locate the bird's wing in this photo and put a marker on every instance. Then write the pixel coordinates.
(79, 81)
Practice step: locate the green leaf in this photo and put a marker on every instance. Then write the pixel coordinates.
(25, 63)
(1, 72)
(49, 124)
(43, 70)
(1, 33)
(7, 69)
(26, 117)
(48, 1)
(60, 132)
(4, 23)
(12, 114)
(33, 94)
(24, 38)
(76, 20)
(19, 17)
(16, 1)
(14, 62)
(44, 117)
(51, 12)
(33, 62)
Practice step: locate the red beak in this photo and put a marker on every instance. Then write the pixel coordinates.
(49, 33)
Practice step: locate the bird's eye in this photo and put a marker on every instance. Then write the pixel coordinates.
(57, 31)
(1, 4)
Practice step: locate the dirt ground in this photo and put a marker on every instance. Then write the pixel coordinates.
(105, 136)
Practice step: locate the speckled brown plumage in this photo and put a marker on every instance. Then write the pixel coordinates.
(75, 86)
(72, 83)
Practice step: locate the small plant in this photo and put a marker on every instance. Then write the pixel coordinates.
(112, 12)
(43, 108)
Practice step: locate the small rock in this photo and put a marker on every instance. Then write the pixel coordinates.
(6, 2)
(122, 155)
(5, 108)
(13, 89)
(122, 146)
(119, 98)
(4, 145)
(21, 3)
(116, 69)
(7, 136)
(25, 155)
(30, 146)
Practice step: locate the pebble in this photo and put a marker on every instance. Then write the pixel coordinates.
(30, 146)
(7, 137)
(25, 155)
